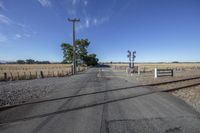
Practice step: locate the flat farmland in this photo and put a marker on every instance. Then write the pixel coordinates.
(30, 71)
(151, 66)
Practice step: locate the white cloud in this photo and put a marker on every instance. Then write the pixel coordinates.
(3, 38)
(21, 25)
(2, 7)
(45, 3)
(85, 2)
(27, 35)
(87, 23)
(75, 7)
(73, 2)
(71, 12)
(13, 27)
(18, 36)
(4, 19)
(100, 20)
(95, 21)
(79, 8)
(84, 24)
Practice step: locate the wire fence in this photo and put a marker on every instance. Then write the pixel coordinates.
(27, 72)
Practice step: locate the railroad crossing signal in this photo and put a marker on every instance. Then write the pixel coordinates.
(134, 52)
(131, 57)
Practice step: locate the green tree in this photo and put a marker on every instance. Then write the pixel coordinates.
(30, 61)
(67, 52)
(81, 53)
(81, 48)
(20, 62)
(91, 60)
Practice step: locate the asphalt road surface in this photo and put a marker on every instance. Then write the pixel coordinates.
(134, 110)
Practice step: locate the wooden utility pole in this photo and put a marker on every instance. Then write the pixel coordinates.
(74, 43)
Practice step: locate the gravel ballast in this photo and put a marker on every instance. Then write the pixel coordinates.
(190, 96)
(15, 92)
(23, 91)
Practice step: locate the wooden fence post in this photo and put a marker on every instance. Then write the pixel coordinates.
(48, 74)
(36, 75)
(62, 73)
(5, 76)
(24, 75)
(41, 73)
(18, 76)
(11, 75)
(30, 75)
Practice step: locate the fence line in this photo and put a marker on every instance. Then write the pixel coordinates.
(27, 75)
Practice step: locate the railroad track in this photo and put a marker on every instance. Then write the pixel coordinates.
(190, 83)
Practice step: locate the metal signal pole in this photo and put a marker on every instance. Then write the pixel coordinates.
(129, 56)
(133, 60)
(74, 43)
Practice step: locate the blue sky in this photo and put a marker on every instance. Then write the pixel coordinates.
(159, 30)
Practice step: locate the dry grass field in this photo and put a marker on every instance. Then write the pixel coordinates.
(31, 71)
(152, 66)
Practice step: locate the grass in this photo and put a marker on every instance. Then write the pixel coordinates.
(31, 71)
(152, 66)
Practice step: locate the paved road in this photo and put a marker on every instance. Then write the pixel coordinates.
(110, 112)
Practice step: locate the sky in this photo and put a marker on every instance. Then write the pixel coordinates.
(158, 30)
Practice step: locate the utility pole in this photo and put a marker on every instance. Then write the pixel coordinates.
(74, 43)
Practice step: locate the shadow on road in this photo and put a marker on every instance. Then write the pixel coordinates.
(99, 92)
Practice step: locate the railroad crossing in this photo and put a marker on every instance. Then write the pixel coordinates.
(98, 102)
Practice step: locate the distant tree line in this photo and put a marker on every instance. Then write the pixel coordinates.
(82, 55)
(31, 61)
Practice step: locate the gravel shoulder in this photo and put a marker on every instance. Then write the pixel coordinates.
(190, 96)
(15, 92)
